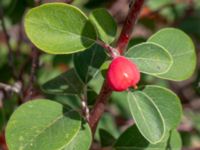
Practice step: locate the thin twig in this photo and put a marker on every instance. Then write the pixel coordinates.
(7, 38)
(38, 2)
(112, 51)
(28, 93)
(35, 63)
(11, 88)
(105, 92)
(84, 103)
(19, 40)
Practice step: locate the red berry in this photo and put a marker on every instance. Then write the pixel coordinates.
(122, 74)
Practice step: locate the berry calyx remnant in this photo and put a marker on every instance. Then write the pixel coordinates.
(122, 74)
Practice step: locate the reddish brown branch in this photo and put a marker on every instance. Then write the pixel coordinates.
(129, 25)
(105, 92)
(99, 106)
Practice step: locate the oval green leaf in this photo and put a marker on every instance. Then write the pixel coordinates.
(59, 28)
(181, 48)
(106, 138)
(105, 24)
(83, 140)
(150, 58)
(42, 125)
(87, 63)
(174, 142)
(67, 83)
(147, 116)
(132, 139)
(167, 102)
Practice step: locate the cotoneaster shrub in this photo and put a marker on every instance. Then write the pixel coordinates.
(58, 28)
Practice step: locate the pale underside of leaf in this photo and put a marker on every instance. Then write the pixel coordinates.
(182, 50)
(151, 58)
(151, 137)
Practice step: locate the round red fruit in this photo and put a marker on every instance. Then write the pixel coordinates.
(122, 74)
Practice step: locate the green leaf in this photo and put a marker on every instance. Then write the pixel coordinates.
(90, 4)
(132, 139)
(105, 24)
(107, 123)
(168, 104)
(150, 58)
(181, 47)
(87, 63)
(83, 139)
(195, 118)
(136, 40)
(155, 5)
(169, 13)
(59, 28)
(191, 25)
(120, 100)
(9, 105)
(42, 125)
(65, 84)
(175, 142)
(72, 101)
(14, 9)
(96, 83)
(106, 138)
(146, 116)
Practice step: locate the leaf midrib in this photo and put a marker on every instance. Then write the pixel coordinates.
(60, 30)
(47, 127)
(155, 60)
(141, 113)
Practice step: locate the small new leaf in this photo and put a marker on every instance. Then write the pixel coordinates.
(87, 63)
(105, 25)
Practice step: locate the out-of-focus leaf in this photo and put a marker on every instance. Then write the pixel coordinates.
(95, 3)
(174, 141)
(87, 63)
(67, 83)
(132, 139)
(107, 123)
(106, 138)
